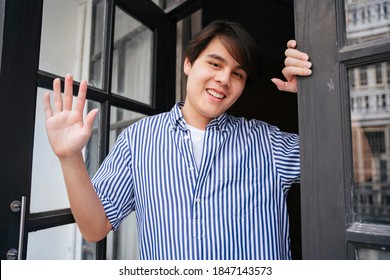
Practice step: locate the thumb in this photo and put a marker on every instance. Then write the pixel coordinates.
(90, 118)
(284, 86)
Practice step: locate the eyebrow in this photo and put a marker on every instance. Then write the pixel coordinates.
(220, 58)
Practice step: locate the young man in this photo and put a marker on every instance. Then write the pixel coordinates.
(204, 184)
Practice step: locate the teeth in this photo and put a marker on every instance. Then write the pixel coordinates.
(215, 94)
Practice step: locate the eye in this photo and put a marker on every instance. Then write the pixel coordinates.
(214, 64)
(239, 75)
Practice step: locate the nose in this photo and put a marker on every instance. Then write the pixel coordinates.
(223, 77)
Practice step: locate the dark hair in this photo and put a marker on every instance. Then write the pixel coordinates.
(239, 43)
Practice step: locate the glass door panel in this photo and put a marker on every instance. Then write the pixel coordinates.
(58, 243)
(132, 59)
(370, 121)
(367, 20)
(370, 115)
(66, 41)
(372, 254)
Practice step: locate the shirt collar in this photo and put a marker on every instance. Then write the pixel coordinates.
(221, 123)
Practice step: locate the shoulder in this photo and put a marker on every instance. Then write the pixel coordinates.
(149, 122)
(251, 124)
(265, 129)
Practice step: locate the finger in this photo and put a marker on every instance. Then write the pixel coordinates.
(46, 105)
(290, 71)
(57, 95)
(80, 103)
(296, 54)
(68, 92)
(291, 44)
(290, 61)
(285, 86)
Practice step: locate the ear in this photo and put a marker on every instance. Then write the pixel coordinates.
(187, 65)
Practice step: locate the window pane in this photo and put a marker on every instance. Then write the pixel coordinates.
(370, 114)
(367, 20)
(59, 243)
(123, 244)
(68, 43)
(372, 254)
(132, 59)
(47, 187)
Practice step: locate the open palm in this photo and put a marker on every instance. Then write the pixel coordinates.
(67, 131)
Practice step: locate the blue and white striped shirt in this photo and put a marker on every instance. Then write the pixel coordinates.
(233, 207)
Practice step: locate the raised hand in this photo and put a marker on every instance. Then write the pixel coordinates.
(67, 130)
(296, 64)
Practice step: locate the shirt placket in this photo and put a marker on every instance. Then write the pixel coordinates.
(214, 139)
(188, 155)
(185, 145)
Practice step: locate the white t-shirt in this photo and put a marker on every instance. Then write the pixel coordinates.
(197, 139)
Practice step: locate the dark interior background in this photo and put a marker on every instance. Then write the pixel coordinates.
(271, 23)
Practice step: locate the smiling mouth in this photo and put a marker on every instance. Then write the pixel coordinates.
(215, 94)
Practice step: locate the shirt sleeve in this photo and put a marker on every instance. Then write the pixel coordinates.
(285, 147)
(113, 182)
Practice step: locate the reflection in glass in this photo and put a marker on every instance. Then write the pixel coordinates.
(370, 115)
(68, 41)
(48, 190)
(59, 243)
(132, 58)
(123, 244)
(372, 254)
(367, 20)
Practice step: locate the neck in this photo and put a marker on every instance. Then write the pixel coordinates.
(195, 120)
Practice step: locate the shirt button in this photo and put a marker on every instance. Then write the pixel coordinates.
(191, 169)
(186, 137)
(198, 200)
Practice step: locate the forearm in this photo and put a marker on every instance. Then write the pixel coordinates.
(86, 206)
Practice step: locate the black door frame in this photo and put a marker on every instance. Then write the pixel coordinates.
(19, 64)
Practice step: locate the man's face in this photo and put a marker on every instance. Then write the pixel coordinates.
(215, 81)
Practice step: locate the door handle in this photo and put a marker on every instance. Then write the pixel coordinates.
(17, 206)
